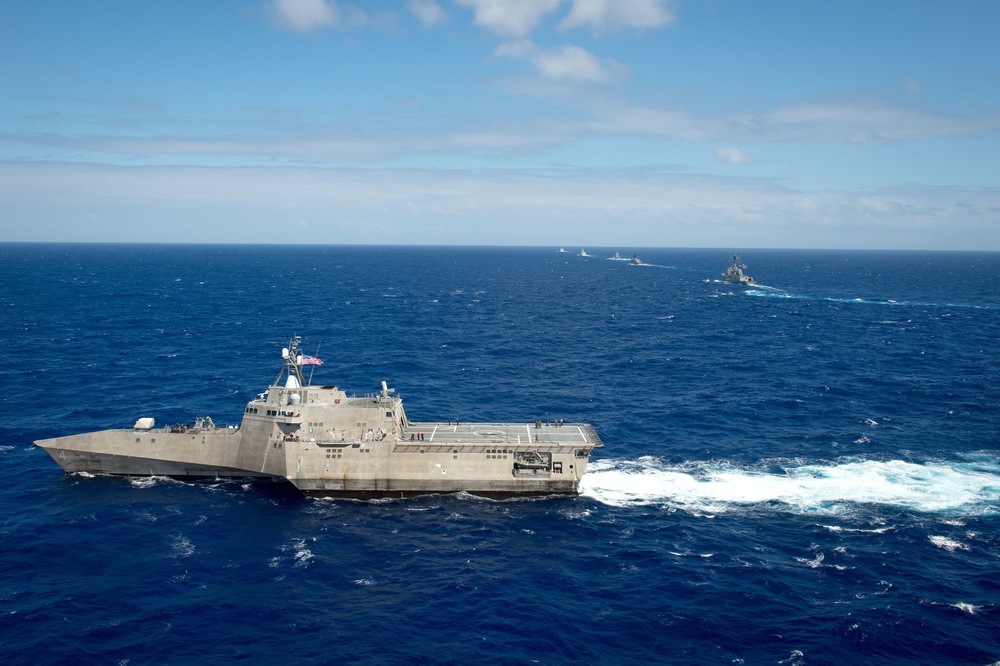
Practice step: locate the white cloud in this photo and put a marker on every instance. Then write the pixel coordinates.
(809, 121)
(603, 207)
(733, 156)
(510, 18)
(611, 14)
(305, 15)
(864, 120)
(564, 63)
(572, 62)
(428, 12)
(306, 138)
(122, 133)
(517, 18)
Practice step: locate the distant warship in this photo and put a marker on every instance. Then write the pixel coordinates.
(734, 274)
(328, 443)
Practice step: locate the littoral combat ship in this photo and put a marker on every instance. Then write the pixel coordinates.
(328, 443)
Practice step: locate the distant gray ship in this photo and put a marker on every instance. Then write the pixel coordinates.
(327, 443)
(734, 274)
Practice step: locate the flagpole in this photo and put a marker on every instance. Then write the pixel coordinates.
(313, 369)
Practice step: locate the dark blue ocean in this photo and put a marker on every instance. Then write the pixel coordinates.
(802, 472)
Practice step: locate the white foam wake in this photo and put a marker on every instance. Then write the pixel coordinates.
(773, 292)
(827, 488)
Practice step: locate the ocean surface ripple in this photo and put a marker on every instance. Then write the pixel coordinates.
(802, 472)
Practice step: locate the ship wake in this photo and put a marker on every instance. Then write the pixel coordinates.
(968, 487)
(762, 291)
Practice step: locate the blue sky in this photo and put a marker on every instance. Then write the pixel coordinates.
(602, 123)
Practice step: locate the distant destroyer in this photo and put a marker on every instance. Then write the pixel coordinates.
(328, 443)
(734, 274)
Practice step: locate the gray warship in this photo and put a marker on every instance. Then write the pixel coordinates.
(327, 443)
(735, 275)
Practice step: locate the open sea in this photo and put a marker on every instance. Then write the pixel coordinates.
(802, 472)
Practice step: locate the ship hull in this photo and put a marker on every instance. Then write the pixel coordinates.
(494, 460)
(89, 462)
(327, 443)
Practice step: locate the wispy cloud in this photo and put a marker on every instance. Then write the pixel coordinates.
(734, 156)
(428, 12)
(510, 18)
(65, 70)
(836, 121)
(863, 120)
(614, 208)
(148, 135)
(570, 63)
(518, 18)
(604, 15)
(306, 15)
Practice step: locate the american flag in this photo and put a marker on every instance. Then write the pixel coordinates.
(310, 360)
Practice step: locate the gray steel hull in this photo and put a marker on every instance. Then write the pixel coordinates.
(121, 465)
(327, 443)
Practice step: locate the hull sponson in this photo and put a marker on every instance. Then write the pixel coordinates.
(403, 494)
(152, 453)
(414, 487)
(96, 463)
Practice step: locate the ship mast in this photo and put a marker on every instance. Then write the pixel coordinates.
(291, 367)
